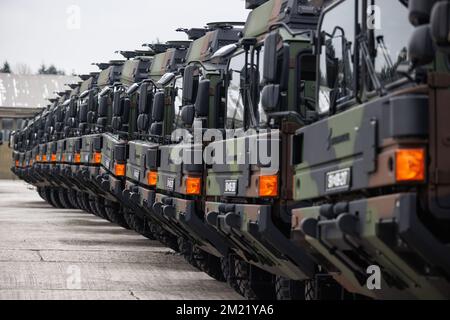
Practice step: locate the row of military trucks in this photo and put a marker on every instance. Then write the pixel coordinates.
(302, 155)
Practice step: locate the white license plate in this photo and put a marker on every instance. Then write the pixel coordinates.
(136, 174)
(231, 187)
(170, 184)
(107, 163)
(338, 180)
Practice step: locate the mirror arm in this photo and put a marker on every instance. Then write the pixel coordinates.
(293, 114)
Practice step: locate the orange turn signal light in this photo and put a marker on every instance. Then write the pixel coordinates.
(53, 157)
(44, 158)
(120, 170)
(38, 158)
(63, 158)
(17, 163)
(410, 165)
(268, 186)
(152, 178)
(193, 186)
(97, 157)
(77, 158)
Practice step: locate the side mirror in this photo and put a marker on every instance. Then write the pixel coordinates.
(143, 105)
(117, 104)
(270, 57)
(202, 101)
(83, 114)
(419, 11)
(275, 72)
(421, 48)
(187, 115)
(91, 117)
(158, 107)
(103, 106)
(270, 97)
(126, 110)
(440, 25)
(189, 85)
(72, 109)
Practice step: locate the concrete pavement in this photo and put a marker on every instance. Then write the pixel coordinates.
(48, 253)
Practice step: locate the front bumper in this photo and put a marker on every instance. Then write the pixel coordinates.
(257, 240)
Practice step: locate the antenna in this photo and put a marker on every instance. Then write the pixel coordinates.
(102, 65)
(193, 33)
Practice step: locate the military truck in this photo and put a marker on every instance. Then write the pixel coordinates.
(370, 174)
(154, 124)
(248, 194)
(178, 198)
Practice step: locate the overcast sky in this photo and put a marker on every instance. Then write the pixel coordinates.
(52, 32)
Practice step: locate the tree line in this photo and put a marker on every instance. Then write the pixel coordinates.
(24, 69)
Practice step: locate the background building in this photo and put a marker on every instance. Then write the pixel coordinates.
(21, 97)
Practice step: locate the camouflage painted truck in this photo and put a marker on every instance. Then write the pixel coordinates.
(125, 110)
(164, 117)
(65, 122)
(154, 125)
(85, 116)
(46, 156)
(249, 187)
(371, 174)
(179, 190)
(95, 119)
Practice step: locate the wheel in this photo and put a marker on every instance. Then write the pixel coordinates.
(100, 206)
(115, 214)
(54, 196)
(140, 226)
(208, 264)
(128, 216)
(41, 193)
(86, 204)
(46, 194)
(72, 195)
(80, 202)
(166, 238)
(93, 206)
(186, 249)
(64, 199)
(253, 283)
(228, 272)
(287, 289)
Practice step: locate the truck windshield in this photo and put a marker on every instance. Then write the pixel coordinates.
(390, 26)
(235, 102)
(236, 110)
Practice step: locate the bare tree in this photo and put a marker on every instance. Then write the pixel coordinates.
(22, 69)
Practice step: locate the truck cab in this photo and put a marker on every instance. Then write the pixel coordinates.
(368, 173)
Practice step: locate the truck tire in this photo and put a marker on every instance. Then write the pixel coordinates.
(287, 289)
(100, 206)
(115, 214)
(253, 283)
(64, 199)
(54, 196)
(209, 264)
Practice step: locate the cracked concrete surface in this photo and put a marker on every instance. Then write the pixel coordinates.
(55, 254)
